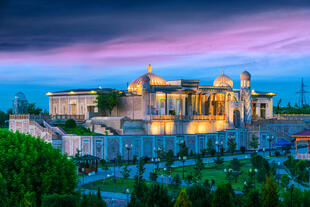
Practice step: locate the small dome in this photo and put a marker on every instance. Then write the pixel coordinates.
(151, 77)
(20, 96)
(245, 75)
(223, 80)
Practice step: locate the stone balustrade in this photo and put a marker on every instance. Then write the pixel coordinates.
(188, 117)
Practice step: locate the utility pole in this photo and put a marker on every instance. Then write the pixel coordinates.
(302, 93)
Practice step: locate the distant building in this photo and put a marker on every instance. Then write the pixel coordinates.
(20, 104)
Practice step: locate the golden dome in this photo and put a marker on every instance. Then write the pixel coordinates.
(245, 75)
(154, 80)
(223, 80)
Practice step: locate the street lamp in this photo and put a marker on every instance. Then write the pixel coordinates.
(128, 147)
(127, 192)
(83, 172)
(278, 172)
(157, 159)
(217, 144)
(183, 160)
(253, 172)
(264, 152)
(269, 139)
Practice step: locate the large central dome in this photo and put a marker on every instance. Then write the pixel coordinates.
(137, 84)
(223, 80)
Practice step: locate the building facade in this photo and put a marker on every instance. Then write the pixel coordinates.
(175, 106)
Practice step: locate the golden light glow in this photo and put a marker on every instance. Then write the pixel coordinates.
(93, 92)
(49, 94)
(169, 127)
(72, 93)
(155, 128)
(271, 94)
(149, 69)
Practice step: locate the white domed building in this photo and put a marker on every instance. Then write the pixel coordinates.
(162, 107)
(20, 104)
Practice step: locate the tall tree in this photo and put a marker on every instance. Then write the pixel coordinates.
(210, 148)
(254, 142)
(218, 161)
(232, 145)
(31, 168)
(199, 195)
(270, 195)
(158, 196)
(253, 199)
(183, 200)
(198, 167)
(4, 117)
(169, 161)
(125, 172)
(33, 109)
(223, 196)
(107, 101)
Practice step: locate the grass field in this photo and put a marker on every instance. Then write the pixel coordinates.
(210, 172)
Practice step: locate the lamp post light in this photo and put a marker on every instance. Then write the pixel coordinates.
(157, 159)
(253, 172)
(217, 144)
(183, 161)
(165, 172)
(278, 172)
(264, 151)
(83, 172)
(127, 192)
(269, 139)
(128, 148)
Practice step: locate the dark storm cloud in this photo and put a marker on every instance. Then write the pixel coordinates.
(45, 24)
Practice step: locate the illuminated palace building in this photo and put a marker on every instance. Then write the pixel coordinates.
(155, 106)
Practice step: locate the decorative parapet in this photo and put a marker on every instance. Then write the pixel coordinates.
(30, 116)
(191, 117)
(19, 116)
(64, 117)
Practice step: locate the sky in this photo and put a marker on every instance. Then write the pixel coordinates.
(50, 45)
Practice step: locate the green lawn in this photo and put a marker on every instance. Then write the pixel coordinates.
(78, 130)
(210, 172)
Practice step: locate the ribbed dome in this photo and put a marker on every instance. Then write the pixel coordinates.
(245, 75)
(20, 96)
(223, 80)
(154, 80)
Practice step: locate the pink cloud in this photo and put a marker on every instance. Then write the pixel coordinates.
(280, 32)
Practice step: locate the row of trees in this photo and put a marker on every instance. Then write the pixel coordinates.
(289, 109)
